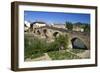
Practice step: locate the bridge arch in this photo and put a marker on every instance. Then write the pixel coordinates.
(56, 33)
(78, 43)
(51, 32)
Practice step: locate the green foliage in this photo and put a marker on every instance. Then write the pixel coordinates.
(87, 28)
(60, 55)
(53, 46)
(62, 40)
(77, 51)
(27, 50)
(36, 55)
(69, 25)
(35, 47)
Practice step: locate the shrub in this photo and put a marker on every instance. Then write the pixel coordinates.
(62, 40)
(35, 45)
(69, 25)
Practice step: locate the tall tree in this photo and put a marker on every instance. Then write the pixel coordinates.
(87, 28)
(69, 25)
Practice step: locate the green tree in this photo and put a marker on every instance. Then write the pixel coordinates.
(86, 28)
(69, 25)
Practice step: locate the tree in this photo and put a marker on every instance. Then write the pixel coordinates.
(86, 28)
(69, 25)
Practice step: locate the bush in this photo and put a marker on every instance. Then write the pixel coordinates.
(62, 40)
(40, 46)
(34, 46)
(87, 28)
(58, 55)
(54, 46)
(69, 25)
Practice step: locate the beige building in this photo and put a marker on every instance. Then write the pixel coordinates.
(78, 28)
(36, 25)
(59, 25)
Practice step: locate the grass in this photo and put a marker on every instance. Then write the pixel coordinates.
(35, 47)
(77, 51)
(32, 56)
(61, 55)
(36, 55)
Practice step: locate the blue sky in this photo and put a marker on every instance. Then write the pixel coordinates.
(56, 17)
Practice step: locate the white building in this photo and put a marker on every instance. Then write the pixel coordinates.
(39, 24)
(36, 25)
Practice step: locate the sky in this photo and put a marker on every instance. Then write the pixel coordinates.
(56, 17)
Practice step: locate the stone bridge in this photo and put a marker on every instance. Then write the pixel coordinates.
(50, 32)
